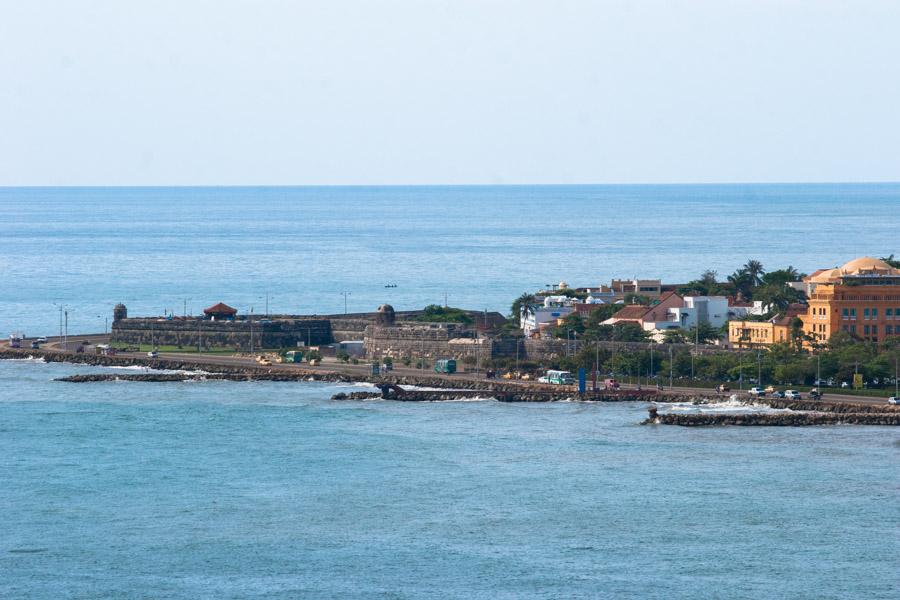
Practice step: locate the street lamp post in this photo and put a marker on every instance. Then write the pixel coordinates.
(671, 367)
(758, 368)
(250, 318)
(345, 294)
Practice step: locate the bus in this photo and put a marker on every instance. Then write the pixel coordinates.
(558, 378)
(445, 365)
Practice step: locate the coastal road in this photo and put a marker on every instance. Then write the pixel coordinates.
(462, 377)
(55, 344)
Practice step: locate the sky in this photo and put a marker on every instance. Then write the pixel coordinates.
(269, 92)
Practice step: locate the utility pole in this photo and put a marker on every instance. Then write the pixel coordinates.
(199, 339)
(671, 367)
(758, 369)
(250, 318)
(518, 341)
(66, 333)
(345, 294)
(651, 363)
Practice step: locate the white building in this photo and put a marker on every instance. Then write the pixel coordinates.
(554, 307)
(712, 310)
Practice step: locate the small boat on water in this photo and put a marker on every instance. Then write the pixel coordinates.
(391, 285)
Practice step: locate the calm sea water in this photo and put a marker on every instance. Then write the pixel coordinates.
(160, 249)
(251, 490)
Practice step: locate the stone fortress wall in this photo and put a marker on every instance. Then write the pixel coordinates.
(384, 332)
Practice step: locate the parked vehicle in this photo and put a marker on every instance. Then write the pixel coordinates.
(723, 388)
(41, 340)
(35, 346)
(894, 400)
(153, 354)
(778, 394)
(770, 389)
(293, 356)
(558, 378)
(793, 395)
(446, 366)
(815, 394)
(757, 391)
(610, 384)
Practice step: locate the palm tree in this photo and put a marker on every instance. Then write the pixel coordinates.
(742, 282)
(754, 270)
(523, 306)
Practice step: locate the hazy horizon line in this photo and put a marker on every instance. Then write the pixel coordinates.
(422, 185)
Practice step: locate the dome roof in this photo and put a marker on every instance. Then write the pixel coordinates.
(825, 275)
(858, 266)
(865, 263)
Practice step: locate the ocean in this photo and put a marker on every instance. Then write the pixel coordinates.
(183, 249)
(271, 490)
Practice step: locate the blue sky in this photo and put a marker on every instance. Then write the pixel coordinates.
(458, 91)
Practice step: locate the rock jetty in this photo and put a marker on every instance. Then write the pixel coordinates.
(784, 419)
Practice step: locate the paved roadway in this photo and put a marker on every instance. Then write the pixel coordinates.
(55, 344)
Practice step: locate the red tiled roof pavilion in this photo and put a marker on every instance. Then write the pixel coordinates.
(220, 310)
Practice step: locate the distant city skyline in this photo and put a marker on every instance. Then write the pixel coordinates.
(464, 92)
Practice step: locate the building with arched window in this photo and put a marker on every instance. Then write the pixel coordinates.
(861, 298)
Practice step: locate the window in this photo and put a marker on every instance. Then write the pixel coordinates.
(888, 312)
(866, 314)
(853, 329)
(874, 330)
(845, 314)
(866, 330)
(888, 329)
(874, 313)
(853, 313)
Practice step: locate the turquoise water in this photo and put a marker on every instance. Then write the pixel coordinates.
(154, 248)
(237, 490)
(251, 490)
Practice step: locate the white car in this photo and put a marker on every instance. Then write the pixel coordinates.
(792, 395)
(757, 391)
(543, 379)
(153, 354)
(41, 340)
(894, 400)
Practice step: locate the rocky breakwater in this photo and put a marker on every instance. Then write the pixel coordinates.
(502, 393)
(787, 418)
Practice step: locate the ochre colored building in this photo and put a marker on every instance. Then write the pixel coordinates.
(862, 298)
(753, 334)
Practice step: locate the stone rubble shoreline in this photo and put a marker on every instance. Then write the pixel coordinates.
(799, 412)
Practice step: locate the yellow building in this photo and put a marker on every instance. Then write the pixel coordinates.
(862, 298)
(753, 334)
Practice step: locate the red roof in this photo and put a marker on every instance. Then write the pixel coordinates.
(633, 312)
(220, 309)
